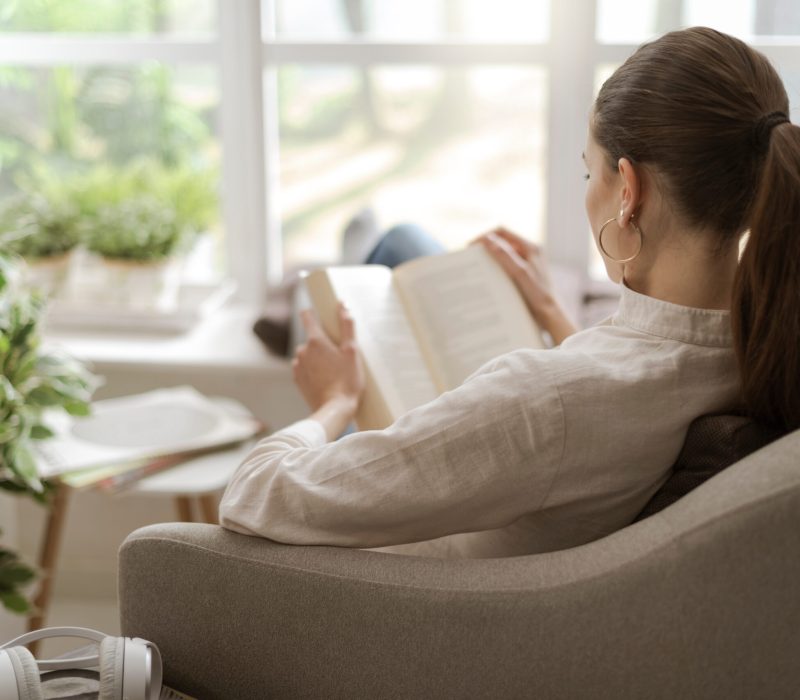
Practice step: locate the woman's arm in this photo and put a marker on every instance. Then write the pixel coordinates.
(476, 458)
(524, 263)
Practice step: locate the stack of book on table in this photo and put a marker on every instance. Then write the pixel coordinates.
(128, 438)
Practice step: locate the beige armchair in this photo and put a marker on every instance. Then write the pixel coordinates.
(701, 600)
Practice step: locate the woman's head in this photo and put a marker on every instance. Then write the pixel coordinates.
(705, 116)
(687, 106)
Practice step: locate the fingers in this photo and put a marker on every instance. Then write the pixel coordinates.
(481, 238)
(347, 327)
(509, 260)
(521, 245)
(500, 247)
(310, 323)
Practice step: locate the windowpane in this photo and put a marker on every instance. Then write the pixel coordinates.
(184, 17)
(745, 17)
(59, 126)
(457, 151)
(413, 20)
(620, 21)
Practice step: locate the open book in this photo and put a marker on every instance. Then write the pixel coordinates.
(130, 432)
(425, 326)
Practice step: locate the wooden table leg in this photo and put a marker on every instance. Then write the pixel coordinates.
(209, 508)
(48, 558)
(184, 506)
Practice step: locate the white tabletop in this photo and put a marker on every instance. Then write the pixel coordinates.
(202, 475)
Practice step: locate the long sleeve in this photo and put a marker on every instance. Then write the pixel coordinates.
(539, 450)
(477, 458)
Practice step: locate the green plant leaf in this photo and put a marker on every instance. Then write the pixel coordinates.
(24, 464)
(77, 408)
(41, 432)
(44, 396)
(14, 574)
(7, 433)
(15, 602)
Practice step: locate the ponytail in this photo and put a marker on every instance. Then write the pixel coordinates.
(766, 295)
(708, 113)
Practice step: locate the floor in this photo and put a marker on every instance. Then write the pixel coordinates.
(99, 613)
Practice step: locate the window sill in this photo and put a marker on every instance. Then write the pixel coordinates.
(222, 341)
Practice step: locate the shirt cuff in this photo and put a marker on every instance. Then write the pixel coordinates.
(309, 431)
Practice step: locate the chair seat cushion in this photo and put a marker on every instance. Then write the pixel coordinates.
(713, 443)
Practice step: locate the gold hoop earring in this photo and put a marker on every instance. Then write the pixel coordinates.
(611, 257)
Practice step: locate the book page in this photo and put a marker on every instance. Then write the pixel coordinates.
(396, 368)
(138, 428)
(465, 311)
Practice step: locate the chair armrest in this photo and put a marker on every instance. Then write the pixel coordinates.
(698, 600)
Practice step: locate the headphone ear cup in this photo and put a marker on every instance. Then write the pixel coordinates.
(26, 672)
(112, 654)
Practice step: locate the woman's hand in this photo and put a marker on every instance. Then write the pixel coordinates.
(330, 376)
(525, 264)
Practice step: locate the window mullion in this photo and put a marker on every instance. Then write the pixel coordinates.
(373, 52)
(48, 50)
(245, 195)
(571, 92)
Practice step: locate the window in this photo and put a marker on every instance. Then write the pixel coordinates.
(434, 112)
(457, 114)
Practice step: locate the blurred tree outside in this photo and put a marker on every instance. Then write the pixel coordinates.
(66, 120)
(367, 113)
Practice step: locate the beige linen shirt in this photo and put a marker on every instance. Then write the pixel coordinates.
(538, 450)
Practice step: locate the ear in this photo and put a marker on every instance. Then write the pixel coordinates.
(630, 191)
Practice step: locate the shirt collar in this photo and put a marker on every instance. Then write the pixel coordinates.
(683, 323)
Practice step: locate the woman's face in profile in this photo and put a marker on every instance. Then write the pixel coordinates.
(602, 196)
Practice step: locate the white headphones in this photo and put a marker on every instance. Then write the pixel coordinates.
(128, 668)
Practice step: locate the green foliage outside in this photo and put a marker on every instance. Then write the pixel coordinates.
(77, 142)
(82, 15)
(33, 381)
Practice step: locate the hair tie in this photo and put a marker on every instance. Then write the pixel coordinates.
(762, 130)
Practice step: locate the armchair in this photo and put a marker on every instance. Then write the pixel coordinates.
(701, 600)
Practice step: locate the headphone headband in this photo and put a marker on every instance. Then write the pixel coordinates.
(61, 664)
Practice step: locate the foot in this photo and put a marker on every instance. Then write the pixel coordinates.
(359, 237)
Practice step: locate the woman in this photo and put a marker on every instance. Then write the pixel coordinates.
(689, 146)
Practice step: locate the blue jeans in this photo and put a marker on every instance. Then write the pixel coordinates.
(401, 243)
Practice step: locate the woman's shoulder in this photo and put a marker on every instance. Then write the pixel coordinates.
(617, 360)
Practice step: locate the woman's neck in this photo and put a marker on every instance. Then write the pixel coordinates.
(689, 274)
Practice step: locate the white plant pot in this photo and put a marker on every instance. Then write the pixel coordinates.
(48, 275)
(139, 286)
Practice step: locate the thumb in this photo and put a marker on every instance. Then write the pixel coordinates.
(347, 327)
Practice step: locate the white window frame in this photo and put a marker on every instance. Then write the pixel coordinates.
(247, 64)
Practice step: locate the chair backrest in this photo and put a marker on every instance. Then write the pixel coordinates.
(699, 600)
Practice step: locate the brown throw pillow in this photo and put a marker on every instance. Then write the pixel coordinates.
(713, 443)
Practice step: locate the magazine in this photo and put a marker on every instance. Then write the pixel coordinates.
(132, 431)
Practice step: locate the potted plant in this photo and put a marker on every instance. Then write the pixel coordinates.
(43, 231)
(33, 380)
(137, 223)
(137, 242)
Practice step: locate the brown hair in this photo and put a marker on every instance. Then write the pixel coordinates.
(706, 112)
